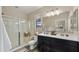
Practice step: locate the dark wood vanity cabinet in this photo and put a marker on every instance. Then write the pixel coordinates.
(50, 44)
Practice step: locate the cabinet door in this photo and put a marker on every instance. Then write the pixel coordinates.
(62, 45)
(57, 45)
(71, 49)
(40, 43)
(57, 42)
(70, 46)
(47, 40)
(78, 46)
(40, 40)
(71, 43)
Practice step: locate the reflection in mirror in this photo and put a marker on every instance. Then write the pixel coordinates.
(60, 25)
(61, 22)
(56, 23)
(74, 21)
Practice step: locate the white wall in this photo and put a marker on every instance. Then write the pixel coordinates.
(0, 30)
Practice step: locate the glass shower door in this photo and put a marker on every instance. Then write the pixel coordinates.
(12, 28)
(23, 28)
(16, 29)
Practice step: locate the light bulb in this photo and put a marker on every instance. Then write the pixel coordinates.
(52, 13)
(48, 14)
(57, 12)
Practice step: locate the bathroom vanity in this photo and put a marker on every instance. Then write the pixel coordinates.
(53, 43)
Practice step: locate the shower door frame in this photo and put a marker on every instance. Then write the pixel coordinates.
(19, 39)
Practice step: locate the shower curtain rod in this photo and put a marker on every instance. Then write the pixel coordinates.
(12, 17)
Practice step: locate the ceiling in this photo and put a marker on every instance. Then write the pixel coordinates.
(27, 9)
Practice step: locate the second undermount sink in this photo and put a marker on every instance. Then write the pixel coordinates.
(68, 36)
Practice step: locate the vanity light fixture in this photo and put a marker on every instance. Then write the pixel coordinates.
(48, 14)
(53, 12)
(57, 12)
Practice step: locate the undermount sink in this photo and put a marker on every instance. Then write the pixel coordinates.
(61, 34)
(68, 36)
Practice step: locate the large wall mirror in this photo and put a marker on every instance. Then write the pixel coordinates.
(74, 21)
(57, 23)
(61, 22)
(60, 25)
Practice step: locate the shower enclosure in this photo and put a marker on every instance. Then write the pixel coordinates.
(16, 28)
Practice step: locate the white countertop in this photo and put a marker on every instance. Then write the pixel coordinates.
(71, 37)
